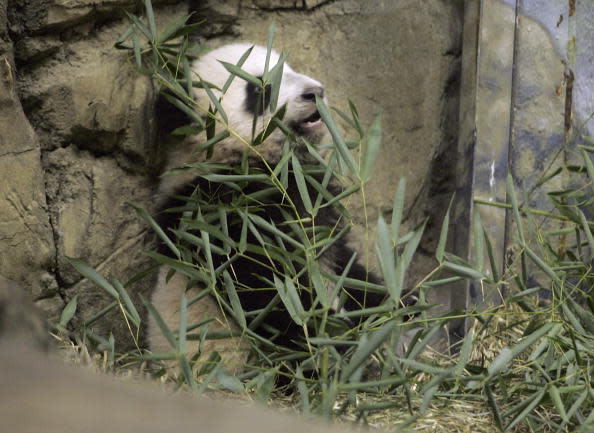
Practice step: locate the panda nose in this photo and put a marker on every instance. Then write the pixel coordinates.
(309, 95)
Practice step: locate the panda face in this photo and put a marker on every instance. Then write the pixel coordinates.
(243, 101)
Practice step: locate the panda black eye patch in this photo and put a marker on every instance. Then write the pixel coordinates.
(255, 102)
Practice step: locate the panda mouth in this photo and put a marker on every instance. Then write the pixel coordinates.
(308, 127)
(314, 118)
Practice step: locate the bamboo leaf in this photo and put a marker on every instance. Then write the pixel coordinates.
(160, 323)
(500, 362)
(92, 275)
(398, 209)
(183, 107)
(301, 186)
(463, 271)
(588, 232)
(270, 39)
(371, 150)
(130, 308)
(313, 268)
(494, 407)
(215, 101)
(558, 402)
(542, 265)
(151, 19)
(238, 312)
(443, 235)
(479, 240)
(69, 311)
(139, 25)
(386, 259)
(341, 146)
(237, 71)
(172, 29)
(531, 401)
(183, 326)
(511, 191)
(367, 348)
(240, 63)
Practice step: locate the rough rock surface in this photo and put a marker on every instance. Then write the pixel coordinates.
(20, 321)
(78, 140)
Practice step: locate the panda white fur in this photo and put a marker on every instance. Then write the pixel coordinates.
(298, 92)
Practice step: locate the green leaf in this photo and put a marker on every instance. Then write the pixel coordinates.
(140, 26)
(542, 265)
(269, 41)
(172, 30)
(531, 403)
(427, 397)
(187, 72)
(351, 123)
(127, 34)
(69, 311)
(92, 275)
(341, 146)
(151, 222)
(556, 399)
(187, 372)
(529, 340)
(398, 209)
(271, 126)
(183, 107)
(492, 261)
(243, 236)
(215, 101)
(137, 50)
(183, 326)
(261, 222)
(465, 351)
(229, 382)
(365, 349)
(443, 235)
(151, 19)
(313, 268)
(411, 246)
(501, 362)
(238, 312)
(588, 232)
(371, 150)
(240, 63)
(589, 166)
(386, 259)
(463, 271)
(511, 191)
(265, 385)
(160, 323)
(494, 407)
(237, 71)
(290, 299)
(301, 186)
(208, 254)
(479, 240)
(184, 268)
(130, 308)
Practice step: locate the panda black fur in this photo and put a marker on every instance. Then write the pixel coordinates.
(298, 92)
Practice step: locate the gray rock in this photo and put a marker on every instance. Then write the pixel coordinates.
(20, 320)
(26, 239)
(64, 182)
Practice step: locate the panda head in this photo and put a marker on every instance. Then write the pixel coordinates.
(241, 102)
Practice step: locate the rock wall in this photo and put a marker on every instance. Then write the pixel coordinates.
(78, 138)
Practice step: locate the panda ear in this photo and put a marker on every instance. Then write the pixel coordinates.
(257, 99)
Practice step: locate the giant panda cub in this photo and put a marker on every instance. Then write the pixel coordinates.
(252, 269)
